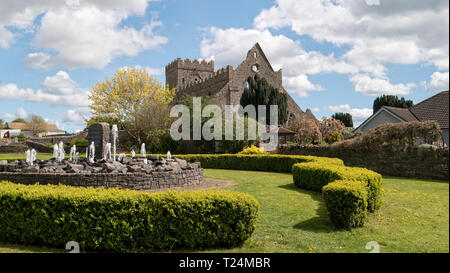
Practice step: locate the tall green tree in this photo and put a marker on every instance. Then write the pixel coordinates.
(259, 92)
(389, 100)
(345, 118)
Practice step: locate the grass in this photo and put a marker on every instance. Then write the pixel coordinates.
(21, 156)
(413, 218)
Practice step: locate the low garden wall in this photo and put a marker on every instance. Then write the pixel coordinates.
(416, 162)
(14, 148)
(130, 181)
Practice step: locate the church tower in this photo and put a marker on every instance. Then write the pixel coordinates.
(180, 73)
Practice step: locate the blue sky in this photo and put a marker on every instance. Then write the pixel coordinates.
(335, 55)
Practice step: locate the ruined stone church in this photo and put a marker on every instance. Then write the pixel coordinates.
(225, 86)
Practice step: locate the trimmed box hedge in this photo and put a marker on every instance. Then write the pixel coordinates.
(349, 192)
(314, 176)
(269, 163)
(124, 220)
(346, 202)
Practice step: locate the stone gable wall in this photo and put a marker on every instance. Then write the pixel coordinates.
(225, 87)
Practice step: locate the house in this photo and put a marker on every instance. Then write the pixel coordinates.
(284, 135)
(17, 128)
(433, 108)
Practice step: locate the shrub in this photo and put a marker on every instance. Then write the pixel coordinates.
(275, 163)
(314, 176)
(124, 220)
(395, 136)
(79, 142)
(346, 202)
(334, 137)
(252, 150)
(331, 126)
(21, 137)
(306, 131)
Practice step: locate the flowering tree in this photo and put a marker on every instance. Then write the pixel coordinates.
(125, 98)
(307, 131)
(332, 130)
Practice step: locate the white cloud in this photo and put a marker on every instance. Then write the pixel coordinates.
(366, 85)
(21, 113)
(72, 116)
(37, 60)
(9, 116)
(90, 37)
(56, 90)
(358, 114)
(300, 85)
(391, 32)
(438, 82)
(74, 33)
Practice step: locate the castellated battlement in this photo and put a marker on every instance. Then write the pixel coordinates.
(191, 65)
(221, 75)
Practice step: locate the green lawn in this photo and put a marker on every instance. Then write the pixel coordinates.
(21, 156)
(413, 218)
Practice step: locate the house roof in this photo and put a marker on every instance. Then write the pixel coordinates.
(434, 108)
(279, 130)
(17, 125)
(403, 113)
(26, 127)
(282, 130)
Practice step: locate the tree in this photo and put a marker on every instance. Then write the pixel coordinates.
(124, 97)
(345, 118)
(36, 124)
(2, 124)
(259, 92)
(332, 130)
(21, 120)
(389, 100)
(307, 131)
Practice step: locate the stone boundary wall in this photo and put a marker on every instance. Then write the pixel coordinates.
(123, 181)
(15, 148)
(58, 138)
(414, 162)
(39, 147)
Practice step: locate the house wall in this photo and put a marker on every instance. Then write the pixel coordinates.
(381, 118)
(12, 132)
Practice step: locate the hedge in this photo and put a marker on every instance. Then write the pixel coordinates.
(313, 176)
(124, 220)
(344, 198)
(346, 202)
(274, 163)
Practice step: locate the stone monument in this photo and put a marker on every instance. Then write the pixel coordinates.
(100, 134)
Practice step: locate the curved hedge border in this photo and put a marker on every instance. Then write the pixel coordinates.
(270, 163)
(124, 220)
(349, 192)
